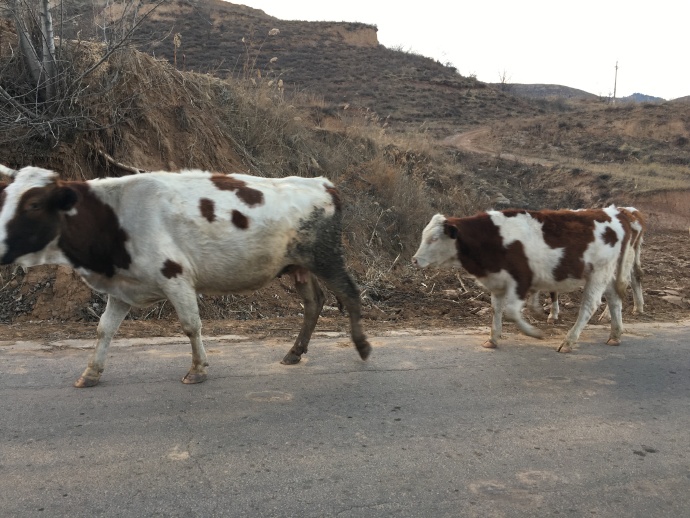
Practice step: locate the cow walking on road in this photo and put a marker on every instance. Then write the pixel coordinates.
(157, 236)
(514, 252)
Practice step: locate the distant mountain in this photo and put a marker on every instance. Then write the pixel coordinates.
(539, 91)
(640, 98)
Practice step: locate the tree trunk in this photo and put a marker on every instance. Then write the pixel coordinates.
(42, 66)
(28, 51)
(49, 65)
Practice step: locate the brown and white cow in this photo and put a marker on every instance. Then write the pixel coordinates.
(637, 229)
(514, 252)
(156, 236)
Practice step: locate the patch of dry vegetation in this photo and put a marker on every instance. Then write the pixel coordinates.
(149, 115)
(646, 147)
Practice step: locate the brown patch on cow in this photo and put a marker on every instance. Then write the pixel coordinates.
(248, 195)
(511, 213)
(335, 196)
(481, 250)
(572, 231)
(239, 219)
(610, 237)
(630, 236)
(171, 269)
(207, 208)
(518, 267)
(626, 217)
(93, 238)
(479, 245)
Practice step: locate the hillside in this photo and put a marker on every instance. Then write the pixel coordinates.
(341, 64)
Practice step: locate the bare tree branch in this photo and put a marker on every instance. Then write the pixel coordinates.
(119, 165)
(120, 43)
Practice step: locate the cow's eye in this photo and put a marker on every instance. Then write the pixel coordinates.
(34, 205)
(433, 239)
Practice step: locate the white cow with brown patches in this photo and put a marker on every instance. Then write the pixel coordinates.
(156, 236)
(513, 253)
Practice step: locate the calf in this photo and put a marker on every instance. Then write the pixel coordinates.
(514, 252)
(156, 236)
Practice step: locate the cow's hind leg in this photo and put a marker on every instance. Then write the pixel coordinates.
(343, 286)
(591, 298)
(313, 299)
(636, 282)
(183, 298)
(615, 306)
(115, 312)
(513, 311)
(555, 309)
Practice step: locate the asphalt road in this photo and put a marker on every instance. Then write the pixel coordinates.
(429, 426)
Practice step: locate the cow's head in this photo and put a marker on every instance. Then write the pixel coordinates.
(30, 214)
(438, 246)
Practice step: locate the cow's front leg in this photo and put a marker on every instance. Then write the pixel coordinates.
(313, 299)
(183, 298)
(115, 312)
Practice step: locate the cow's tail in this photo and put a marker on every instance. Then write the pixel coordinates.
(626, 262)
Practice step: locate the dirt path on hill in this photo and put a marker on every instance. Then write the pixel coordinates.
(472, 141)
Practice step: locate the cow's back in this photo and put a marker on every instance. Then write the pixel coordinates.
(226, 233)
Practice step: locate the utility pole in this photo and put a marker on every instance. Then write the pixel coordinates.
(615, 80)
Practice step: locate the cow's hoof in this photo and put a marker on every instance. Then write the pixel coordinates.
(613, 341)
(364, 350)
(194, 377)
(291, 359)
(489, 344)
(83, 382)
(564, 349)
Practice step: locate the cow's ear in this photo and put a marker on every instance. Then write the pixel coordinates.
(63, 198)
(450, 230)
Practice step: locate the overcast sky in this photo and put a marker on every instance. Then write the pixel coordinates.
(574, 44)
